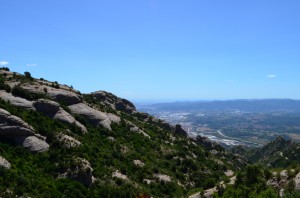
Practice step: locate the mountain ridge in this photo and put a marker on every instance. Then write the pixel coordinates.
(248, 105)
(97, 144)
(58, 142)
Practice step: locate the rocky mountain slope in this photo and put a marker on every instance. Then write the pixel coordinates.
(277, 153)
(57, 142)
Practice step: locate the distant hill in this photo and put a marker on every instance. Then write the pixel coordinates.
(277, 153)
(255, 106)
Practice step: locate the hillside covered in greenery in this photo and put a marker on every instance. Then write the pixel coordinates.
(58, 142)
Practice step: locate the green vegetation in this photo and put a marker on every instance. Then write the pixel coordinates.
(172, 165)
(4, 86)
(187, 164)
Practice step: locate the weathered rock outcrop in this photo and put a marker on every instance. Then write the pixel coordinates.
(82, 172)
(114, 101)
(53, 110)
(297, 181)
(208, 144)
(68, 141)
(23, 134)
(35, 144)
(136, 129)
(95, 117)
(16, 101)
(4, 163)
(68, 97)
(180, 131)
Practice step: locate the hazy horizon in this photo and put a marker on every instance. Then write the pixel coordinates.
(149, 102)
(157, 50)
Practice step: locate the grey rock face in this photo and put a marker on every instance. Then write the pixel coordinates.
(16, 101)
(136, 129)
(66, 96)
(68, 141)
(35, 144)
(95, 117)
(47, 107)
(4, 163)
(82, 172)
(114, 101)
(16, 129)
(53, 110)
(297, 182)
(9, 119)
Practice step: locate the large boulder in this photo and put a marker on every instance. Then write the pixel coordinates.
(136, 129)
(9, 119)
(47, 107)
(53, 110)
(13, 127)
(65, 117)
(114, 101)
(35, 144)
(68, 97)
(95, 117)
(81, 171)
(297, 181)
(125, 105)
(4, 163)
(16, 101)
(68, 141)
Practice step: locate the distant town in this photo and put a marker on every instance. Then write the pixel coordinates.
(232, 127)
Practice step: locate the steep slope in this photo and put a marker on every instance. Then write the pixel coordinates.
(277, 153)
(96, 145)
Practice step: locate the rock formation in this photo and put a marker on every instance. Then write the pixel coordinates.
(95, 117)
(4, 163)
(53, 110)
(13, 127)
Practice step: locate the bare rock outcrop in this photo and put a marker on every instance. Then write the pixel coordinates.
(68, 141)
(118, 174)
(6, 73)
(35, 144)
(4, 163)
(162, 177)
(138, 130)
(82, 172)
(53, 110)
(95, 117)
(114, 101)
(16, 101)
(56, 94)
(297, 181)
(13, 127)
(138, 163)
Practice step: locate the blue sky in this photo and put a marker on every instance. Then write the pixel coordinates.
(157, 49)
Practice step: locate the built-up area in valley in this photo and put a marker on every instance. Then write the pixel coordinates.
(233, 127)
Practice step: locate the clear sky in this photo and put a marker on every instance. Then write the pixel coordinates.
(157, 49)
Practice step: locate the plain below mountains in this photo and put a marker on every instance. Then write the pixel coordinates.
(251, 106)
